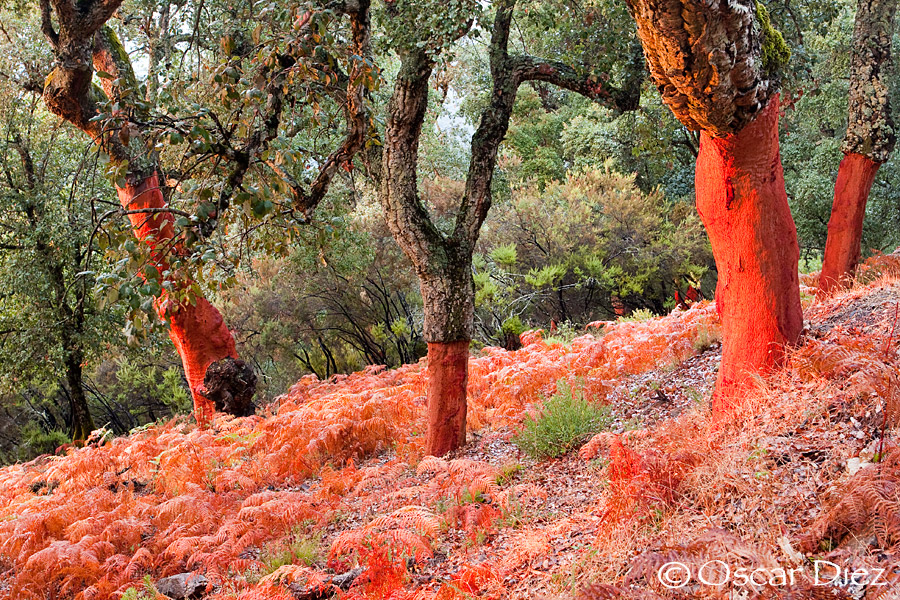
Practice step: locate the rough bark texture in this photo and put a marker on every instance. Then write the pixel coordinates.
(706, 58)
(869, 141)
(742, 201)
(442, 265)
(871, 131)
(230, 384)
(83, 44)
(842, 249)
(447, 376)
(713, 62)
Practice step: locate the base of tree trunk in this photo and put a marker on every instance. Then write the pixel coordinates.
(448, 365)
(201, 338)
(851, 192)
(742, 201)
(81, 428)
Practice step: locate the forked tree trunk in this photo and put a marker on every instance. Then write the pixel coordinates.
(448, 294)
(444, 262)
(742, 201)
(197, 330)
(869, 140)
(443, 267)
(842, 249)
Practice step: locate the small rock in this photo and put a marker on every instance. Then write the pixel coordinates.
(855, 464)
(182, 586)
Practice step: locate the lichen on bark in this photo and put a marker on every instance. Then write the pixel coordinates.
(775, 52)
(871, 131)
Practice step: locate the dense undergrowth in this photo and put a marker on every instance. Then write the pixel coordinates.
(332, 476)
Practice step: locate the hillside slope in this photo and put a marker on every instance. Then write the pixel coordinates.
(329, 487)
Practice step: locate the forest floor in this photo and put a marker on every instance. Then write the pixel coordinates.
(328, 488)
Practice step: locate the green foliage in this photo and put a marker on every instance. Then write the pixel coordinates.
(153, 383)
(641, 314)
(344, 298)
(36, 441)
(563, 334)
(513, 326)
(580, 244)
(148, 593)
(564, 421)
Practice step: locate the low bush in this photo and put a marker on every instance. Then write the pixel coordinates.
(564, 422)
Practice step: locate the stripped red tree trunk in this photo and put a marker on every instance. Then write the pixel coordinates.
(197, 330)
(742, 201)
(868, 143)
(707, 59)
(842, 249)
(82, 44)
(448, 296)
(447, 377)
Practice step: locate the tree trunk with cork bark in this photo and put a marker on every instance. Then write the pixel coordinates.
(83, 44)
(868, 143)
(443, 260)
(714, 64)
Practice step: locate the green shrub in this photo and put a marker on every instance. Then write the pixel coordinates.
(641, 314)
(36, 441)
(564, 422)
(564, 334)
(298, 550)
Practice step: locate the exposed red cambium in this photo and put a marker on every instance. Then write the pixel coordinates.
(851, 193)
(197, 329)
(447, 391)
(742, 201)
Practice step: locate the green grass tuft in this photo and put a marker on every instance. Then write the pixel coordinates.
(564, 422)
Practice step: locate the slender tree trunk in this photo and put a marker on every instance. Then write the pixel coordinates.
(869, 140)
(742, 201)
(448, 294)
(842, 249)
(82, 423)
(197, 330)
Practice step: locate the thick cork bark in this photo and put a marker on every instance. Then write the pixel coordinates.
(868, 143)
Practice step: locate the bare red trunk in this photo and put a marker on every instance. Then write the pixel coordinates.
(198, 331)
(851, 192)
(742, 201)
(448, 365)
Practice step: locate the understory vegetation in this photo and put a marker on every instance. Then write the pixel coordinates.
(331, 480)
(561, 423)
(449, 300)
